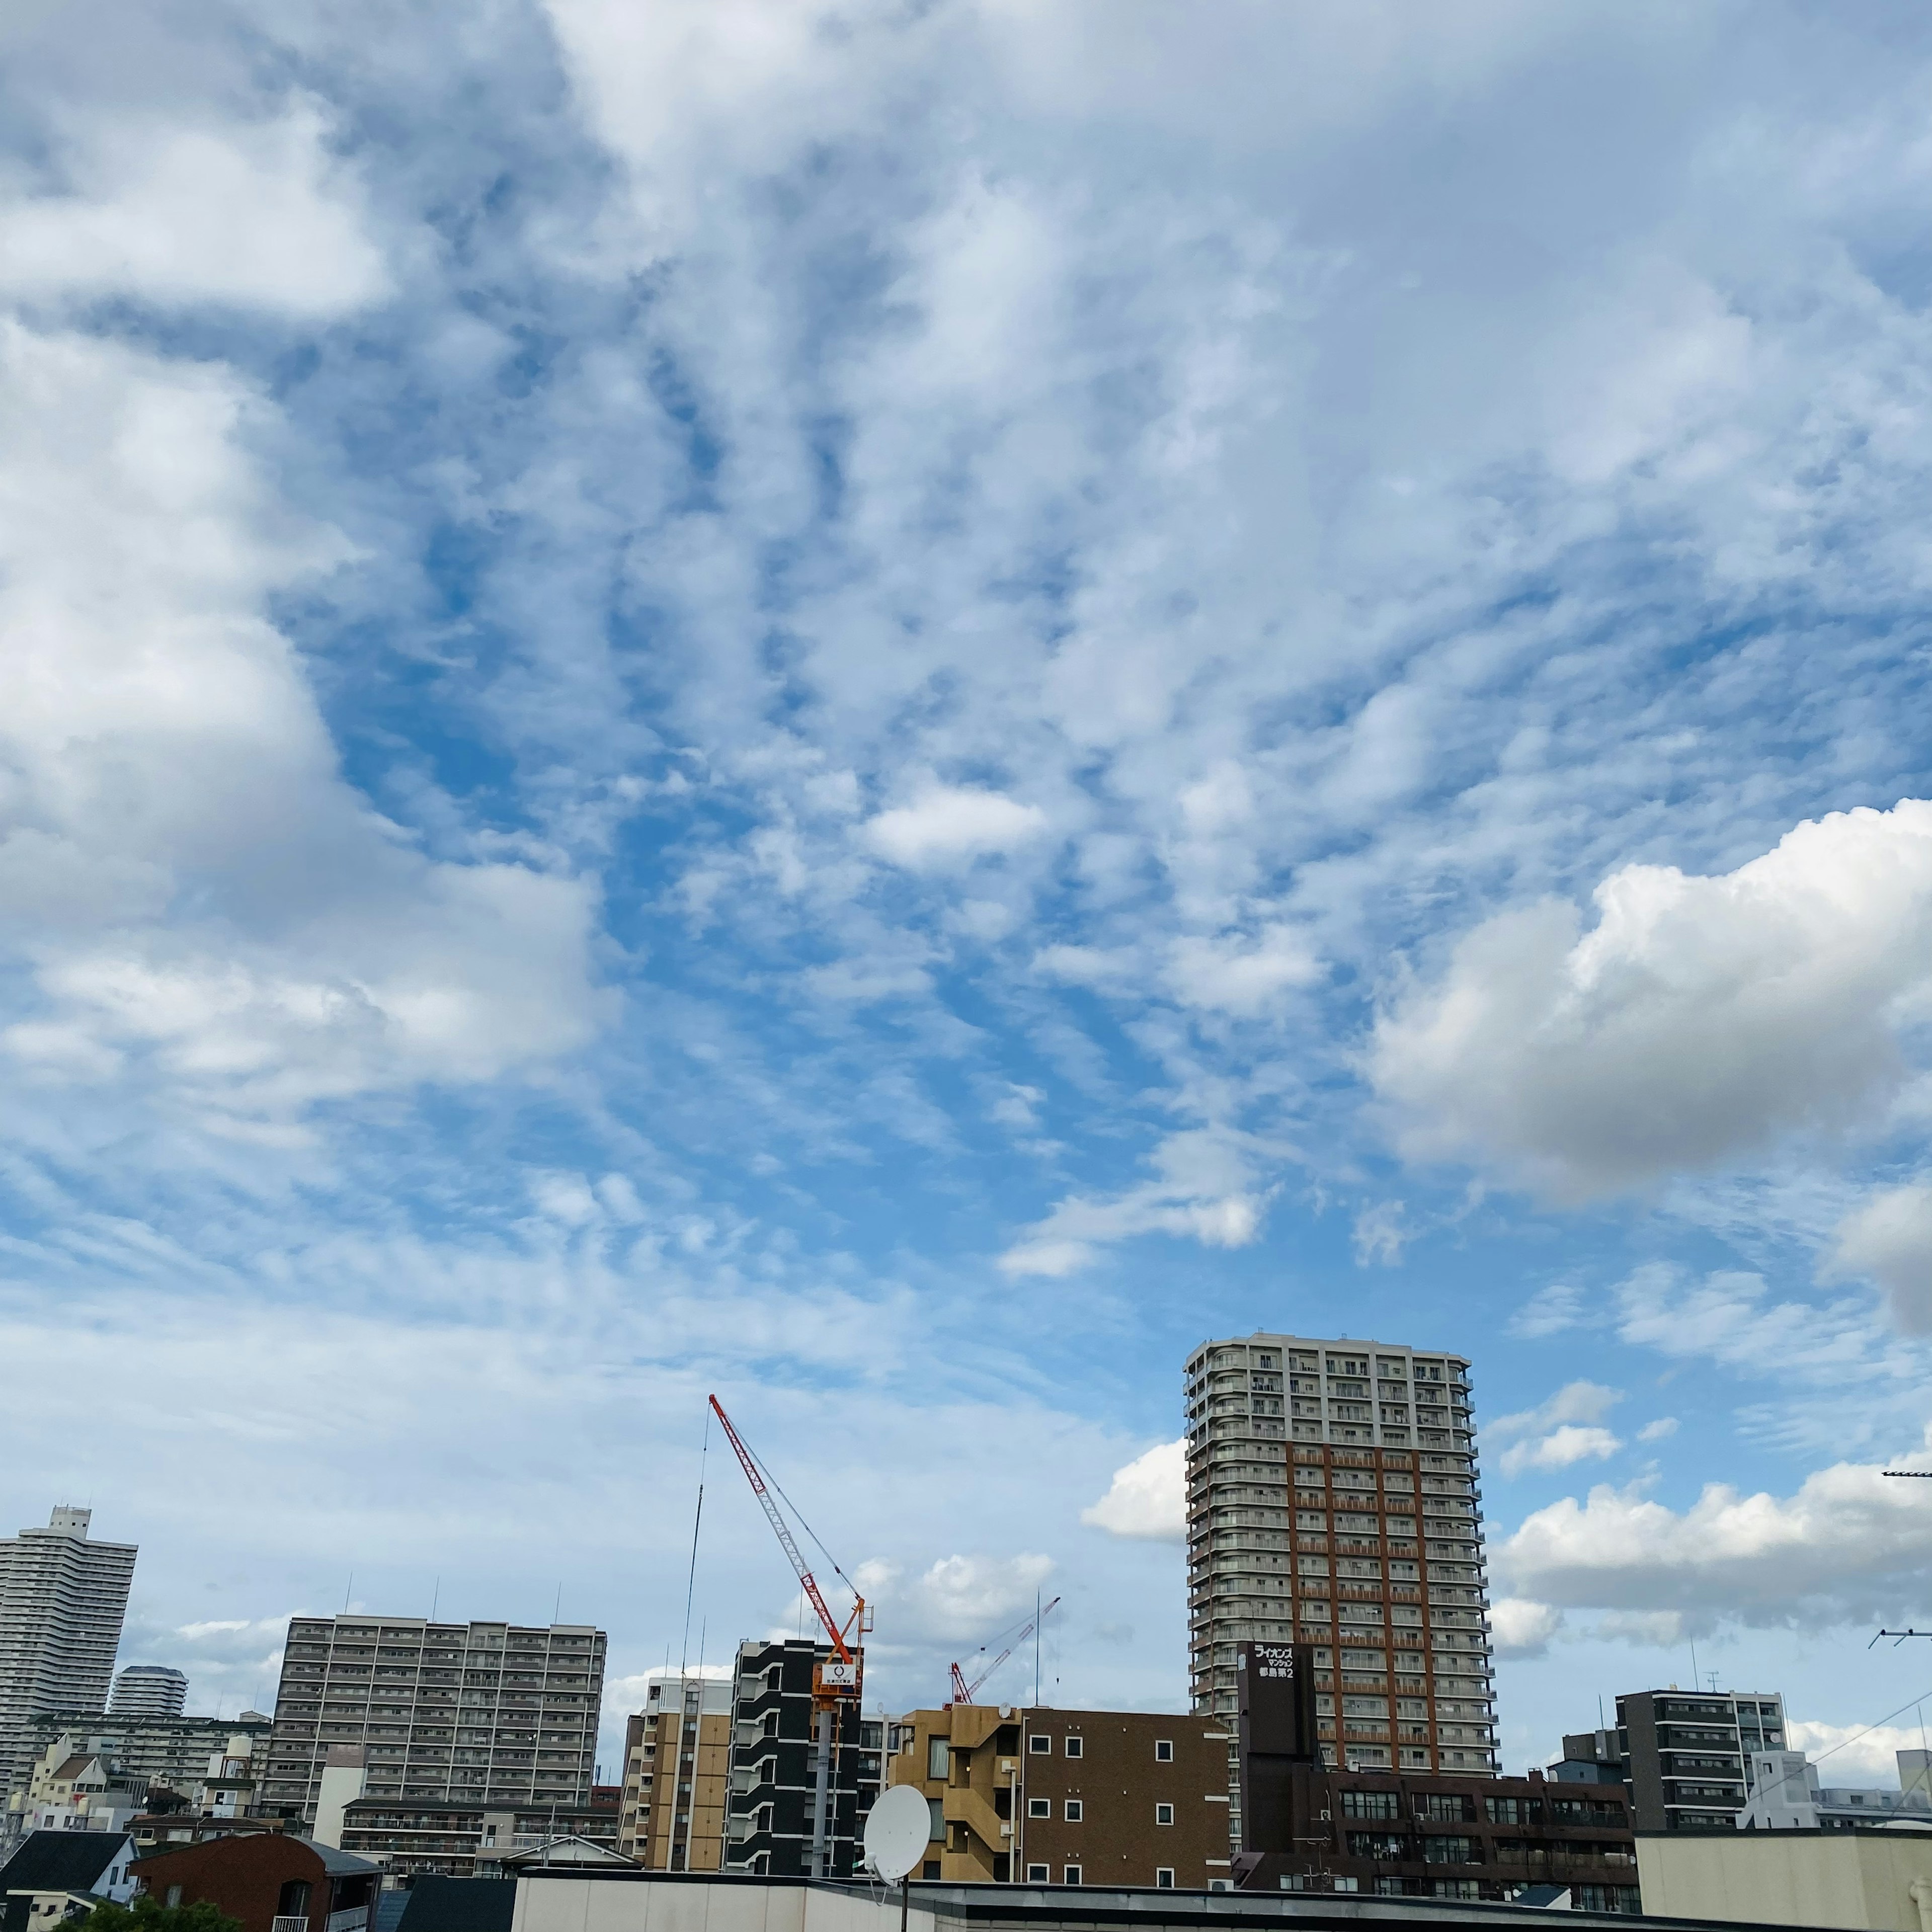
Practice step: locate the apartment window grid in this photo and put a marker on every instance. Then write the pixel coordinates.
(503, 1714)
(1334, 1500)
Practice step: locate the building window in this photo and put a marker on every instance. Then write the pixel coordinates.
(1163, 1750)
(1163, 1814)
(1073, 1745)
(929, 1869)
(1040, 1807)
(937, 1808)
(1040, 1746)
(1075, 1811)
(1370, 1804)
(1163, 1877)
(1072, 1876)
(173, 1897)
(936, 1757)
(1039, 1874)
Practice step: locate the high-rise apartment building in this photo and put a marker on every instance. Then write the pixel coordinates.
(149, 1691)
(62, 1598)
(503, 1715)
(1688, 1756)
(774, 1766)
(677, 1765)
(1332, 1500)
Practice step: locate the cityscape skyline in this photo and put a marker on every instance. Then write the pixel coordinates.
(887, 708)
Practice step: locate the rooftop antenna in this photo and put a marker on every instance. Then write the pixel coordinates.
(345, 1593)
(435, 1598)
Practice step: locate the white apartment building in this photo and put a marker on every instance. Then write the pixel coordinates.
(502, 1715)
(62, 1599)
(1332, 1500)
(1786, 1796)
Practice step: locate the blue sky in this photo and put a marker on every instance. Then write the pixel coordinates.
(889, 706)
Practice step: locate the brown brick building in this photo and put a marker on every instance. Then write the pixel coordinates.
(272, 1881)
(1436, 1837)
(1051, 1797)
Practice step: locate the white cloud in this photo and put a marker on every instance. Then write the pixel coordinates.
(1201, 1191)
(1232, 975)
(945, 825)
(1854, 1754)
(1553, 1310)
(256, 215)
(1661, 1430)
(1642, 1630)
(1559, 1432)
(1849, 1545)
(1559, 1449)
(204, 905)
(1147, 1497)
(1700, 1021)
(955, 1600)
(1380, 1234)
(1889, 1239)
(1523, 1627)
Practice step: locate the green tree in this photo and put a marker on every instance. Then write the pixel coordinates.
(148, 1915)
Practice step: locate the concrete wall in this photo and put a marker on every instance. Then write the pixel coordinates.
(1863, 1881)
(741, 1905)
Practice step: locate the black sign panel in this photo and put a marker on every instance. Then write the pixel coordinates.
(1275, 1684)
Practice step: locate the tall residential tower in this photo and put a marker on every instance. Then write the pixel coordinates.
(1332, 1500)
(62, 1599)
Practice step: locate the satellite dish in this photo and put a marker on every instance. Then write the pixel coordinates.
(898, 1827)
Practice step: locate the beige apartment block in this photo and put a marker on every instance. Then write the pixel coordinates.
(677, 1768)
(1048, 1797)
(1332, 1500)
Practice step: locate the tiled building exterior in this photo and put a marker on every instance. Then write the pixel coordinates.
(1332, 1500)
(677, 1765)
(775, 1763)
(501, 1715)
(1051, 1797)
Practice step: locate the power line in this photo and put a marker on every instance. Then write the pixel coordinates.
(1869, 1729)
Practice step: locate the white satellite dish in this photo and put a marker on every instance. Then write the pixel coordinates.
(898, 1827)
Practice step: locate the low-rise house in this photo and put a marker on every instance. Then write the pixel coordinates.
(55, 1875)
(270, 1881)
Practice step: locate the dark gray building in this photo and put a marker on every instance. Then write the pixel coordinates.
(775, 1763)
(1685, 1755)
(501, 1715)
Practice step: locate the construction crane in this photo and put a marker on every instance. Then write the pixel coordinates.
(962, 1691)
(837, 1681)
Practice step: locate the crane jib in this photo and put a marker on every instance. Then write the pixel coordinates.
(839, 1678)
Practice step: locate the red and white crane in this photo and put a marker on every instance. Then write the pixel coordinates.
(962, 1691)
(837, 1681)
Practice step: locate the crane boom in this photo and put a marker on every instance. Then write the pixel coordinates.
(962, 1691)
(748, 1463)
